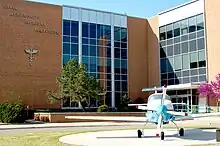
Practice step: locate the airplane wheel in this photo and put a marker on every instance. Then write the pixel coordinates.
(162, 136)
(139, 133)
(181, 132)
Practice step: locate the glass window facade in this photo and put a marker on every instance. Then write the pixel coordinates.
(101, 46)
(182, 51)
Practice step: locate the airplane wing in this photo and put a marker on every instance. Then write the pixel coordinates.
(140, 106)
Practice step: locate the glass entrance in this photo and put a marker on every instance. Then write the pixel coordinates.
(180, 102)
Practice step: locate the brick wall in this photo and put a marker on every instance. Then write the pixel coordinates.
(25, 25)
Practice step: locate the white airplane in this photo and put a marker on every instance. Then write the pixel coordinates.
(159, 111)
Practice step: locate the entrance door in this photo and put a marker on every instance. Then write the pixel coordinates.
(179, 101)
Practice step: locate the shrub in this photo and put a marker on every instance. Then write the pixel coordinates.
(103, 108)
(37, 117)
(12, 113)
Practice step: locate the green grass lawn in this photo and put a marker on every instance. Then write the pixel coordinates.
(50, 138)
(35, 139)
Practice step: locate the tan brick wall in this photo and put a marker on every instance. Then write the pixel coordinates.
(19, 22)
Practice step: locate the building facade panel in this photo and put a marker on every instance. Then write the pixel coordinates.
(25, 26)
(212, 23)
(137, 57)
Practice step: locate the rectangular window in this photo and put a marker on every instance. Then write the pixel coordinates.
(162, 52)
(92, 30)
(170, 64)
(162, 33)
(201, 43)
(163, 65)
(170, 50)
(200, 22)
(74, 28)
(184, 47)
(74, 49)
(66, 27)
(192, 24)
(169, 30)
(185, 61)
(85, 29)
(178, 62)
(184, 27)
(176, 27)
(192, 45)
(66, 48)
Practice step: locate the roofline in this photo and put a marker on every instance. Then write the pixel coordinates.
(174, 87)
(94, 10)
(176, 7)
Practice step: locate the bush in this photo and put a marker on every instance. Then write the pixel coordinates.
(12, 113)
(103, 108)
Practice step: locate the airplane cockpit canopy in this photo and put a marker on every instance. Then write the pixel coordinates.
(157, 96)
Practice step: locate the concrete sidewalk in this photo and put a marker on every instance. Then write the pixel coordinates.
(63, 125)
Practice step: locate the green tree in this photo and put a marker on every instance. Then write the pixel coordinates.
(124, 101)
(74, 83)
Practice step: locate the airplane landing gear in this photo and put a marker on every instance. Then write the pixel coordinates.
(139, 133)
(162, 136)
(181, 132)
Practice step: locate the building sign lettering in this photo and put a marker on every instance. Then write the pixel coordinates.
(20, 15)
(9, 6)
(30, 20)
(49, 31)
(35, 23)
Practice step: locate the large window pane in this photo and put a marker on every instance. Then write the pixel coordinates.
(192, 24)
(169, 30)
(185, 61)
(176, 49)
(74, 28)
(202, 55)
(184, 47)
(124, 34)
(66, 27)
(66, 58)
(66, 48)
(124, 53)
(92, 50)
(184, 27)
(170, 64)
(178, 62)
(66, 39)
(85, 50)
(162, 33)
(117, 33)
(200, 22)
(85, 29)
(170, 50)
(92, 30)
(192, 45)
(201, 43)
(194, 57)
(74, 49)
(176, 27)
(163, 52)
(163, 65)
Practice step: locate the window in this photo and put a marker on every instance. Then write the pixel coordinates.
(192, 45)
(201, 43)
(200, 22)
(66, 27)
(163, 65)
(184, 27)
(178, 62)
(85, 29)
(163, 33)
(92, 29)
(169, 30)
(66, 48)
(74, 49)
(74, 28)
(85, 50)
(170, 64)
(202, 55)
(184, 47)
(170, 50)
(185, 61)
(176, 27)
(192, 24)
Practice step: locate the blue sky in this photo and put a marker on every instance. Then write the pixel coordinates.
(137, 8)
